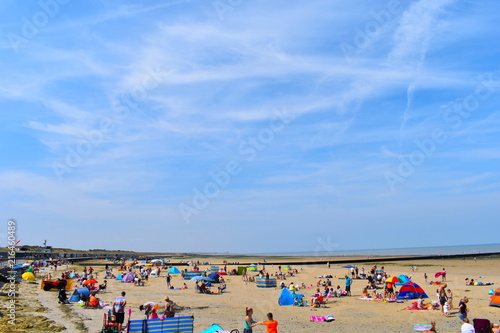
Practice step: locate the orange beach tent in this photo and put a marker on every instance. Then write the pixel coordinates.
(495, 299)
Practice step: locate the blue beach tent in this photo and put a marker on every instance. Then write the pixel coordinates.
(78, 293)
(286, 298)
(174, 270)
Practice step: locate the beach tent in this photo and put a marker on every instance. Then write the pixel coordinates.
(495, 299)
(252, 267)
(286, 297)
(213, 329)
(174, 270)
(167, 325)
(78, 293)
(129, 277)
(119, 277)
(411, 290)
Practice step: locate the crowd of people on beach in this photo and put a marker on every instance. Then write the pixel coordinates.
(375, 286)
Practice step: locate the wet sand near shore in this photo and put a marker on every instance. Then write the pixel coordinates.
(227, 309)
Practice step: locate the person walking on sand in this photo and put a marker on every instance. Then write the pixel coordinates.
(348, 283)
(271, 324)
(119, 310)
(442, 296)
(249, 322)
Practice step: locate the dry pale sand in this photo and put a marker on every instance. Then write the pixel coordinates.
(351, 313)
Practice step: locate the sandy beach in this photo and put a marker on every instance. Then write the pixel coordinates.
(352, 314)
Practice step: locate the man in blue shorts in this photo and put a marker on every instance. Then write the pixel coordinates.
(119, 310)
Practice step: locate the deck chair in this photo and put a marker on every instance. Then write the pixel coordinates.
(109, 325)
(320, 301)
(298, 299)
(481, 325)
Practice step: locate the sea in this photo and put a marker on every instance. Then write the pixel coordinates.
(409, 251)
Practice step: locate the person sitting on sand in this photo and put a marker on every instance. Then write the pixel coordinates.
(203, 288)
(315, 297)
(432, 329)
(420, 303)
(338, 292)
(365, 292)
(93, 302)
(169, 309)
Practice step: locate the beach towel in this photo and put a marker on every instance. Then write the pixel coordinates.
(327, 318)
(421, 328)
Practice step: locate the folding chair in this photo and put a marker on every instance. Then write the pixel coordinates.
(481, 325)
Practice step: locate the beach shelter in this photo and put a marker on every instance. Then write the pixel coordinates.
(191, 274)
(265, 283)
(495, 299)
(174, 270)
(28, 276)
(286, 298)
(252, 267)
(411, 290)
(128, 278)
(78, 293)
(167, 325)
(214, 269)
(119, 277)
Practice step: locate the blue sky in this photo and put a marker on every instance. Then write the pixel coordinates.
(249, 126)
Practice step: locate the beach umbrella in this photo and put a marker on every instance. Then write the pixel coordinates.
(393, 279)
(252, 268)
(17, 267)
(201, 278)
(438, 274)
(91, 281)
(28, 276)
(348, 266)
(214, 276)
(174, 270)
